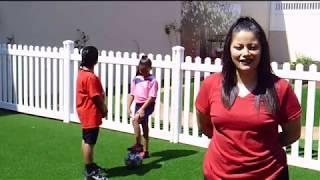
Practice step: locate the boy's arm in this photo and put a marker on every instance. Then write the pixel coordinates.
(97, 100)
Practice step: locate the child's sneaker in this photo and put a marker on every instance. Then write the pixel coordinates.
(99, 169)
(144, 154)
(97, 173)
(136, 148)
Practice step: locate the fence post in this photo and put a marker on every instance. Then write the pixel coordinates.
(68, 46)
(176, 105)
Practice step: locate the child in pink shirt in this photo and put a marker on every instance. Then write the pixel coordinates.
(144, 89)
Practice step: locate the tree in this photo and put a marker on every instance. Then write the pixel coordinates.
(207, 19)
(174, 29)
(81, 40)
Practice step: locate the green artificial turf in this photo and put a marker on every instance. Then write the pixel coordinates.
(40, 148)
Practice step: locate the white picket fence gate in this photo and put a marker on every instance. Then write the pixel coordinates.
(41, 81)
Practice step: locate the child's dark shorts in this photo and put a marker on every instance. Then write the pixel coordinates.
(90, 135)
(147, 112)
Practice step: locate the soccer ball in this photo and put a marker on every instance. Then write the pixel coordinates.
(133, 160)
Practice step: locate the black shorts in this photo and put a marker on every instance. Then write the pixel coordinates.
(148, 111)
(90, 135)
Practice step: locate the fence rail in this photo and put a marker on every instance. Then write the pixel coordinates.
(42, 81)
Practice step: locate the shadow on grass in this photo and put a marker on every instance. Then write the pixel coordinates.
(4, 112)
(165, 155)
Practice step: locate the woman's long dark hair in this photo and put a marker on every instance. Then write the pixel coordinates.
(265, 89)
(144, 61)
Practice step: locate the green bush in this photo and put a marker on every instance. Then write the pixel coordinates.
(306, 61)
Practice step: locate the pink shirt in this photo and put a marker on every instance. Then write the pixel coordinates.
(142, 88)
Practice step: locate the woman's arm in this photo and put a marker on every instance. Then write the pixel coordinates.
(204, 124)
(291, 132)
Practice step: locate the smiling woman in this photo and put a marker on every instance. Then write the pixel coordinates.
(242, 107)
(245, 51)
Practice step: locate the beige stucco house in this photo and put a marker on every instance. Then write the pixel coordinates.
(139, 26)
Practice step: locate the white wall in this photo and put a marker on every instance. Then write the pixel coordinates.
(115, 25)
(299, 23)
(259, 10)
(110, 25)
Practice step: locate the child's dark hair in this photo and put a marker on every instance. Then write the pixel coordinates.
(144, 61)
(89, 56)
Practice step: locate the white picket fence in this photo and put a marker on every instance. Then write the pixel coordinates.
(41, 81)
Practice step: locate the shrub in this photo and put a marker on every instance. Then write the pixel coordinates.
(306, 61)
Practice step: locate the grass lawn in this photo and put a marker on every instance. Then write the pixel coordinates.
(39, 148)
